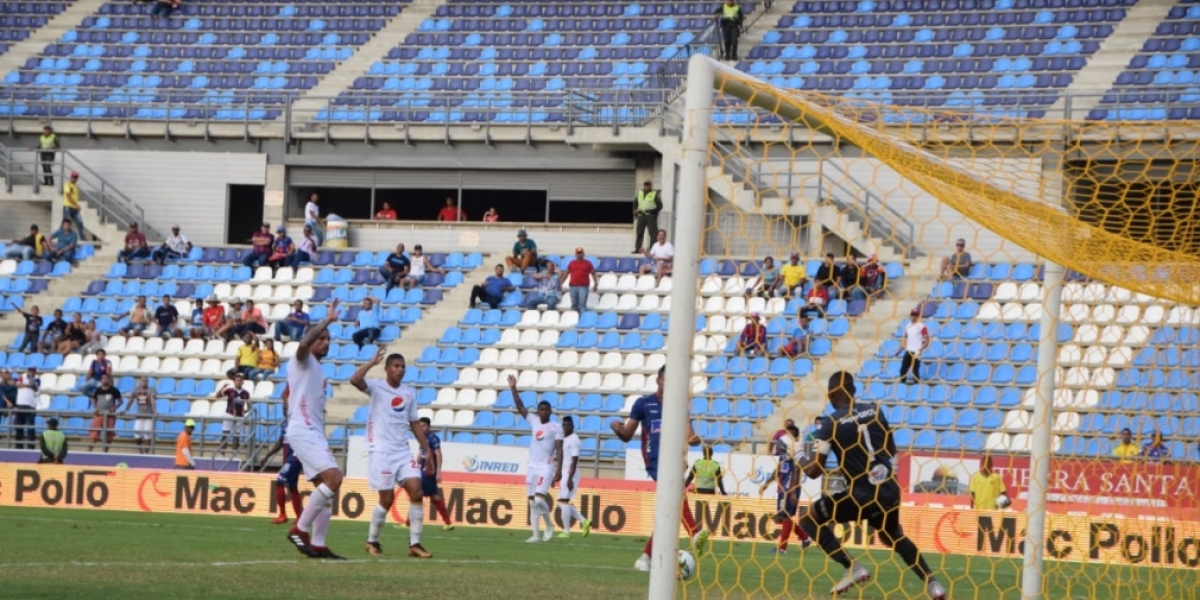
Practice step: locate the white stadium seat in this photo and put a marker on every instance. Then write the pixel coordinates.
(549, 319)
(569, 381)
(634, 383)
(1030, 292)
(611, 361)
(285, 275)
(199, 408)
(490, 377)
(735, 305)
(547, 339)
(627, 303)
(612, 382)
(645, 284)
(425, 413)
(988, 311)
(467, 376)
(264, 292)
(72, 363)
(527, 379)
(567, 359)
(664, 286)
(466, 397)
(547, 380)
(589, 360)
(170, 366)
(304, 275)
(243, 291)
(626, 283)
(547, 359)
(464, 418)
(606, 303)
(607, 283)
(529, 318)
(443, 417)
(1017, 420)
(262, 274)
(510, 337)
(591, 381)
(1005, 292)
(567, 320)
(485, 398)
(488, 357)
(528, 339)
(634, 361)
(445, 397)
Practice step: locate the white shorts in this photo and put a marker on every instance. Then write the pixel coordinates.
(538, 481)
(313, 452)
(386, 470)
(143, 429)
(566, 494)
(231, 424)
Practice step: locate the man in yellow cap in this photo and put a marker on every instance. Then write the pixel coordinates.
(183, 447)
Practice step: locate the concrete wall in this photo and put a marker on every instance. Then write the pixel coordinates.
(496, 239)
(18, 216)
(188, 188)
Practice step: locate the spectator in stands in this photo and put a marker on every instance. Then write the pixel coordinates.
(27, 248)
(214, 316)
(798, 342)
(849, 282)
(767, 283)
(395, 268)
(368, 324)
(106, 403)
(136, 247)
(662, 253)
(419, 265)
(47, 147)
(167, 317)
(957, 265)
(306, 250)
(232, 320)
(491, 216)
(646, 206)
(195, 328)
(237, 400)
(916, 340)
(71, 208)
(754, 337)
(795, 275)
(873, 278)
(183, 446)
(176, 246)
(25, 412)
(1156, 450)
(253, 320)
(451, 212)
(164, 8)
(141, 401)
(385, 213)
(63, 242)
(1127, 450)
(312, 218)
(53, 444)
(492, 290)
(549, 289)
(730, 18)
(827, 276)
(95, 341)
(247, 357)
(294, 324)
(33, 329)
(261, 242)
(268, 361)
(524, 253)
(815, 302)
(281, 250)
(53, 332)
(8, 395)
(581, 274)
(139, 318)
(74, 337)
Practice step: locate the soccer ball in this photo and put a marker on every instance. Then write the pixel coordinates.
(687, 565)
(1003, 501)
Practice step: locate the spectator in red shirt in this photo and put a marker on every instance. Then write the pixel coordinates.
(135, 245)
(491, 216)
(385, 213)
(817, 298)
(214, 316)
(261, 252)
(579, 272)
(450, 212)
(754, 337)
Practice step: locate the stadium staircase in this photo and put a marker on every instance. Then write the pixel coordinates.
(1115, 53)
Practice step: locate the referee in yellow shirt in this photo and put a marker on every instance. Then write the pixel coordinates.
(986, 486)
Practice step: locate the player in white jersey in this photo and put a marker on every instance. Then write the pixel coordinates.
(545, 463)
(306, 434)
(391, 422)
(569, 481)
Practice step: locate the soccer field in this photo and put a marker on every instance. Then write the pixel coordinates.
(66, 554)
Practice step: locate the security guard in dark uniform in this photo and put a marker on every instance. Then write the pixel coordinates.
(647, 205)
(730, 17)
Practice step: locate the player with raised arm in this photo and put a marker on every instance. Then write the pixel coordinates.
(545, 463)
(859, 435)
(306, 435)
(569, 481)
(646, 414)
(787, 476)
(391, 421)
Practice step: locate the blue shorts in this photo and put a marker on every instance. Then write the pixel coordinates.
(429, 486)
(289, 475)
(788, 505)
(652, 471)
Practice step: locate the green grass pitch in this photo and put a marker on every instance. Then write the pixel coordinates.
(62, 554)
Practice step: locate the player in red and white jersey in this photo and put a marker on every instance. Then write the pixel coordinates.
(306, 435)
(545, 463)
(391, 421)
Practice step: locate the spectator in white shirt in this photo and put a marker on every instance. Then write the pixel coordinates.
(663, 255)
(916, 340)
(176, 246)
(25, 413)
(306, 249)
(418, 266)
(312, 218)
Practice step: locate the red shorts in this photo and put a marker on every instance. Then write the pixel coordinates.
(98, 423)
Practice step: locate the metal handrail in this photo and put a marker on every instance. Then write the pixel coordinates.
(891, 226)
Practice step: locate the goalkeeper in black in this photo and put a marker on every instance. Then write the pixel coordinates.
(861, 439)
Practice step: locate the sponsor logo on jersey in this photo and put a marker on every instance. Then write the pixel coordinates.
(398, 404)
(539, 435)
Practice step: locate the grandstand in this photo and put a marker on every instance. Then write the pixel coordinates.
(231, 114)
